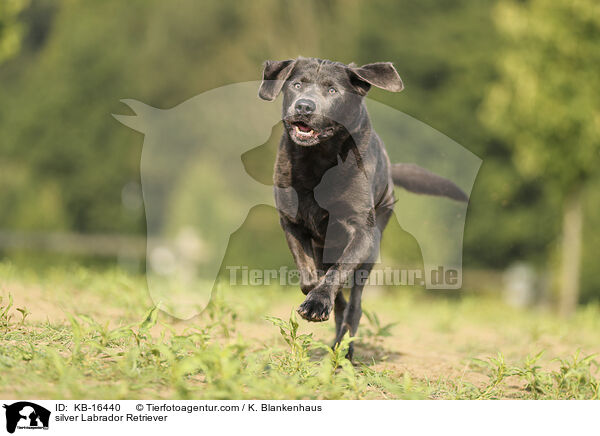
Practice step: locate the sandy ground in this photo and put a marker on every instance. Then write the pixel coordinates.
(433, 339)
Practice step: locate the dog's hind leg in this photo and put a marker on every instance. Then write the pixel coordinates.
(339, 309)
(354, 310)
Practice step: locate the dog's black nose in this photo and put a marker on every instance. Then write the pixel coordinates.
(305, 106)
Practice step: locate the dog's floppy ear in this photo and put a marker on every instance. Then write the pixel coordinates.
(274, 76)
(380, 74)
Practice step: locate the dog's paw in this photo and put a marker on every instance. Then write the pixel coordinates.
(316, 307)
(308, 285)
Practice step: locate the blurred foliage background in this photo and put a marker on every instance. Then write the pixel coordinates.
(515, 82)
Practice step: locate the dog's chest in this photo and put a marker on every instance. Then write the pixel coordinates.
(296, 200)
(298, 205)
(311, 215)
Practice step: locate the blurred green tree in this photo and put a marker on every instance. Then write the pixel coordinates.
(545, 106)
(11, 28)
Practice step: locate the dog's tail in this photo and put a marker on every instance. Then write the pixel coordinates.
(415, 179)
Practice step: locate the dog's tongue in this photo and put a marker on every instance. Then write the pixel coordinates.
(303, 127)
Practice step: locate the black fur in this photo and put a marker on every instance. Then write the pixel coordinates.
(337, 165)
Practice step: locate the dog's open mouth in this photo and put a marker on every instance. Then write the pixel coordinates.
(305, 134)
(304, 131)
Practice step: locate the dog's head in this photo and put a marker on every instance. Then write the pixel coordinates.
(321, 97)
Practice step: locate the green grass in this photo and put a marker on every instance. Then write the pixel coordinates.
(77, 333)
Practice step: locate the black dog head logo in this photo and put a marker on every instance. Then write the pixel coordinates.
(24, 414)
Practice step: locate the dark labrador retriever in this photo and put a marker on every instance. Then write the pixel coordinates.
(334, 168)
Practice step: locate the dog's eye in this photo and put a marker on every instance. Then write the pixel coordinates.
(297, 85)
(332, 90)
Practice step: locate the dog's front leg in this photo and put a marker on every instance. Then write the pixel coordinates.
(300, 245)
(362, 248)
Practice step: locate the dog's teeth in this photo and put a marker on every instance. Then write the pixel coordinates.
(301, 133)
